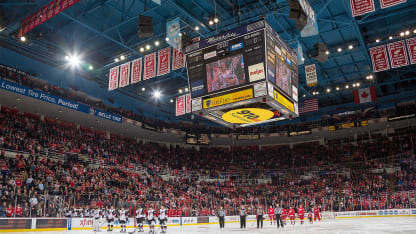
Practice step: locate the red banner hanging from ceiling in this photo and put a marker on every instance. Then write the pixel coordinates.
(411, 47)
(188, 103)
(124, 75)
(178, 60)
(390, 3)
(180, 105)
(113, 78)
(51, 9)
(136, 70)
(149, 70)
(379, 58)
(361, 7)
(398, 55)
(163, 66)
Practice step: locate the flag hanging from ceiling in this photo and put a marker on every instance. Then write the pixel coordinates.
(310, 105)
(364, 95)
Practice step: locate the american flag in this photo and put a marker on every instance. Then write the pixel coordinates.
(310, 105)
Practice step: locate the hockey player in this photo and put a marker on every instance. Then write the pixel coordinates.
(97, 214)
(271, 215)
(316, 214)
(151, 219)
(292, 215)
(110, 219)
(310, 217)
(163, 219)
(284, 216)
(301, 214)
(140, 219)
(122, 218)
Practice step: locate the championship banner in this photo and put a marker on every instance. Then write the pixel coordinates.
(163, 66)
(149, 66)
(173, 28)
(124, 75)
(178, 60)
(390, 3)
(311, 76)
(50, 10)
(379, 58)
(136, 70)
(58, 4)
(188, 103)
(411, 47)
(113, 78)
(180, 105)
(398, 55)
(361, 7)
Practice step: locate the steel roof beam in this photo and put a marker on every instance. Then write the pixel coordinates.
(188, 14)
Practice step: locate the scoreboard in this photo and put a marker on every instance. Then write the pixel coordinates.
(243, 77)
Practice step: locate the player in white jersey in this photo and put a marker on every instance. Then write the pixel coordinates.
(110, 219)
(140, 215)
(97, 214)
(122, 217)
(68, 212)
(163, 219)
(151, 219)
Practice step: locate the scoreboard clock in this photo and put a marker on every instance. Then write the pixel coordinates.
(243, 77)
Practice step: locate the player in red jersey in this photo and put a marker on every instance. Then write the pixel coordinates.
(301, 214)
(271, 215)
(292, 216)
(310, 216)
(284, 216)
(316, 214)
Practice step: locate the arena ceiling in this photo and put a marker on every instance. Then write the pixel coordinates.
(103, 30)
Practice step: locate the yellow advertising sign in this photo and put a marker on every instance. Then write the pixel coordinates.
(247, 115)
(228, 98)
(284, 101)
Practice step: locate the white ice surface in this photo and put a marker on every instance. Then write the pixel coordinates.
(339, 226)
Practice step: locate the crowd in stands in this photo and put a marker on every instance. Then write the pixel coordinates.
(58, 163)
(29, 80)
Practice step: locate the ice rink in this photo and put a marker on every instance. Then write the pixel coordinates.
(339, 226)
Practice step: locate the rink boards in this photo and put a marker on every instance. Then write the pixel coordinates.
(60, 224)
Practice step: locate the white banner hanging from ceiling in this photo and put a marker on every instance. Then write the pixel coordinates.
(124, 75)
(173, 28)
(163, 66)
(113, 78)
(311, 76)
(136, 70)
(149, 70)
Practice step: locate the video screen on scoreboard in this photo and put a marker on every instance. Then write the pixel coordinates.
(197, 139)
(283, 76)
(225, 73)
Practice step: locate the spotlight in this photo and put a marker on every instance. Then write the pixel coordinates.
(350, 47)
(148, 47)
(347, 86)
(327, 52)
(196, 28)
(171, 100)
(167, 38)
(157, 43)
(402, 34)
(390, 38)
(337, 88)
(116, 60)
(180, 91)
(23, 38)
(407, 32)
(157, 94)
(74, 60)
(90, 67)
(328, 90)
(211, 22)
(141, 49)
(186, 89)
(143, 89)
(377, 40)
(339, 50)
(122, 57)
(216, 20)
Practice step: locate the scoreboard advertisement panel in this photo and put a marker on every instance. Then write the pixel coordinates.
(243, 77)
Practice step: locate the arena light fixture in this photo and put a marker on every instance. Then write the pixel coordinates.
(347, 86)
(74, 60)
(402, 34)
(328, 90)
(390, 37)
(337, 88)
(407, 32)
(157, 43)
(304, 95)
(210, 22)
(122, 57)
(377, 40)
(353, 85)
(66, 57)
(23, 38)
(216, 20)
(116, 60)
(414, 31)
(196, 28)
(141, 49)
(143, 89)
(339, 49)
(180, 91)
(180, 34)
(90, 67)
(186, 89)
(148, 47)
(327, 52)
(171, 100)
(157, 94)
(350, 47)
(358, 84)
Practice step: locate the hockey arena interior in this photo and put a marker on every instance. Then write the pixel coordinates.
(207, 116)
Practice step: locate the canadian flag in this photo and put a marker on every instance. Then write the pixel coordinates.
(365, 95)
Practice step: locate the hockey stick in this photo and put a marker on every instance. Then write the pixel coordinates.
(133, 231)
